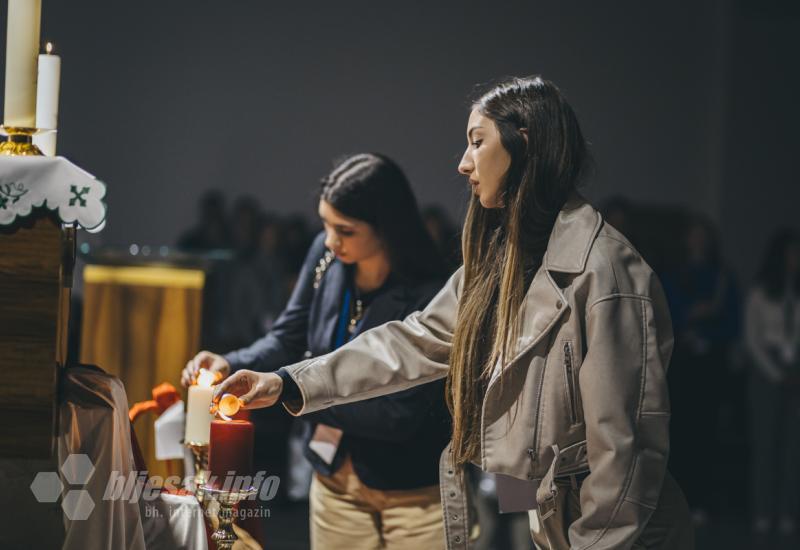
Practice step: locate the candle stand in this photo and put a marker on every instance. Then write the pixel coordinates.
(200, 453)
(224, 537)
(19, 141)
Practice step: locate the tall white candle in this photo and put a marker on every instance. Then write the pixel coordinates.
(47, 100)
(22, 49)
(198, 417)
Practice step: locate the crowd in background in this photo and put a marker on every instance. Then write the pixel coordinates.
(734, 377)
(246, 293)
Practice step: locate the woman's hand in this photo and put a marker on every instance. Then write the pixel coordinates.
(255, 389)
(204, 360)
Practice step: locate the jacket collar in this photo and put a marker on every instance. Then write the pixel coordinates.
(570, 241)
(574, 232)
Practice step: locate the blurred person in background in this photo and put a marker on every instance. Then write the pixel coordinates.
(445, 235)
(271, 270)
(617, 212)
(239, 295)
(245, 218)
(772, 324)
(704, 302)
(296, 237)
(211, 231)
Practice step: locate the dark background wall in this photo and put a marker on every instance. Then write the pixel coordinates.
(760, 185)
(690, 103)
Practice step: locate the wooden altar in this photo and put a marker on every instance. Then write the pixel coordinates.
(36, 258)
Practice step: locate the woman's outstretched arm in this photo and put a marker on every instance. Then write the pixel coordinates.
(386, 359)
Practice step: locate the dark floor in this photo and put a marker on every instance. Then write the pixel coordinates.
(287, 529)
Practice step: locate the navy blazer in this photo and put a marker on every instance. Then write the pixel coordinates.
(394, 441)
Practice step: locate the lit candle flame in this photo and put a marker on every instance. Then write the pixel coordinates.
(48, 48)
(206, 378)
(227, 407)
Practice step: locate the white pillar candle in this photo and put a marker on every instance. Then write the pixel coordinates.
(198, 417)
(47, 88)
(22, 49)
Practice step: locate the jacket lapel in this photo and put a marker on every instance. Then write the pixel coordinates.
(330, 306)
(543, 306)
(571, 239)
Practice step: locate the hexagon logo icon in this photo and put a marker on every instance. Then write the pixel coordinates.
(46, 487)
(77, 505)
(77, 469)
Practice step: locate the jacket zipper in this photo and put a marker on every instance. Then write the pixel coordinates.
(569, 371)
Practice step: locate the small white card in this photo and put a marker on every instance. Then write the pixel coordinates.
(325, 442)
(169, 433)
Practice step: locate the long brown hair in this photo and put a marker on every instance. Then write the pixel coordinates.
(503, 247)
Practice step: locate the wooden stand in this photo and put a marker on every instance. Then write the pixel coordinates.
(36, 259)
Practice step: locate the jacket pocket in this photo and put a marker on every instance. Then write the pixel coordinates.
(571, 384)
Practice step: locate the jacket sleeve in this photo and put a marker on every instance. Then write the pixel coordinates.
(287, 340)
(386, 359)
(626, 409)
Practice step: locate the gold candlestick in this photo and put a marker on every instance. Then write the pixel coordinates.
(19, 141)
(224, 537)
(200, 453)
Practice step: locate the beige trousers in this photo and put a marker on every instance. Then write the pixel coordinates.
(345, 514)
(668, 528)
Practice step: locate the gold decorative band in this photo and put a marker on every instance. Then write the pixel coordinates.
(144, 276)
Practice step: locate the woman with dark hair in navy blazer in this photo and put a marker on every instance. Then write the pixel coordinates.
(376, 461)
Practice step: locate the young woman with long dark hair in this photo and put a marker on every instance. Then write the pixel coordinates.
(376, 461)
(554, 338)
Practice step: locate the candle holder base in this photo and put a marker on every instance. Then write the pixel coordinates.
(200, 453)
(19, 141)
(224, 537)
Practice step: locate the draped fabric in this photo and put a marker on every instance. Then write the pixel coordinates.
(94, 422)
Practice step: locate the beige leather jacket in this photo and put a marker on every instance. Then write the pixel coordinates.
(585, 391)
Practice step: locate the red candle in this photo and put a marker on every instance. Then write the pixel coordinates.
(243, 414)
(230, 449)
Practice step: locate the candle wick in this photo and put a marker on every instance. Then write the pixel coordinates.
(48, 48)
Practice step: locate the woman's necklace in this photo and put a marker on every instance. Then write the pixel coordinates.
(356, 313)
